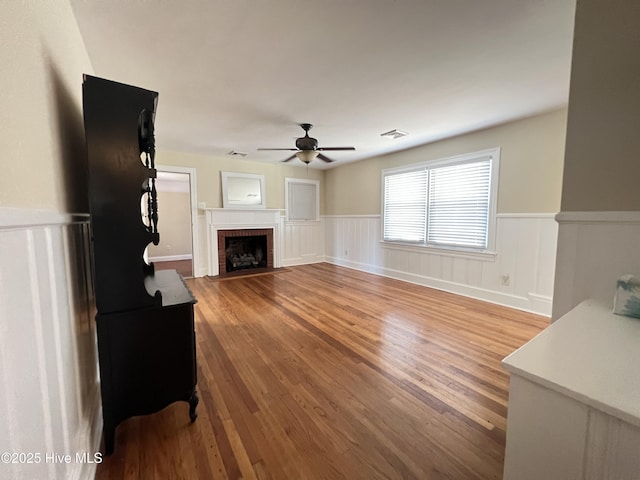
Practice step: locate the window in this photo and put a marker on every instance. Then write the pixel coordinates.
(303, 199)
(446, 203)
(405, 200)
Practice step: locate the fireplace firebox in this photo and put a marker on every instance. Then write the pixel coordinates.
(244, 249)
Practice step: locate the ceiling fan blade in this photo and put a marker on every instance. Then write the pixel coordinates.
(288, 149)
(335, 148)
(290, 158)
(324, 158)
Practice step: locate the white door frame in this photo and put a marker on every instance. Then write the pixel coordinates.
(195, 241)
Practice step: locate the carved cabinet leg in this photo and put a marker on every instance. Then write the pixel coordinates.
(193, 403)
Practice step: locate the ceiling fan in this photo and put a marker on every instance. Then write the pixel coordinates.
(307, 148)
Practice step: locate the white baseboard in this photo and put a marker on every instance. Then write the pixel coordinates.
(200, 272)
(537, 304)
(171, 258)
(89, 440)
(524, 260)
(302, 260)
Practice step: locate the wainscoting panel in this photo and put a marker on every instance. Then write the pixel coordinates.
(613, 448)
(50, 396)
(301, 242)
(521, 274)
(594, 250)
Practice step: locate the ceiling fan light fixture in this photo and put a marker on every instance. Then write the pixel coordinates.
(307, 148)
(307, 156)
(395, 133)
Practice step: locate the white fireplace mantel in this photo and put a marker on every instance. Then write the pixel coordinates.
(232, 218)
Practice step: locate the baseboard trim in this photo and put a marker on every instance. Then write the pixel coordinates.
(537, 304)
(292, 262)
(89, 439)
(377, 215)
(171, 258)
(200, 272)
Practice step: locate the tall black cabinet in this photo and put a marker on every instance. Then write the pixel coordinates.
(146, 337)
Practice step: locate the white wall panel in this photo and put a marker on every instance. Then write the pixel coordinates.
(521, 274)
(546, 260)
(594, 250)
(303, 242)
(613, 448)
(49, 400)
(546, 434)
(474, 273)
(201, 268)
(447, 268)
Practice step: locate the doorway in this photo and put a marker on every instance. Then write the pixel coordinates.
(177, 221)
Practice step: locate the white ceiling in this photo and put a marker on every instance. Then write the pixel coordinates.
(242, 74)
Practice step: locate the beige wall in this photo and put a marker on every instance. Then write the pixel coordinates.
(208, 170)
(42, 59)
(602, 164)
(530, 167)
(174, 225)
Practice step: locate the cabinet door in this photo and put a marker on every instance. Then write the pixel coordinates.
(147, 359)
(613, 448)
(546, 434)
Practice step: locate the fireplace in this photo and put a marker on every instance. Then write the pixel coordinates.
(223, 222)
(244, 249)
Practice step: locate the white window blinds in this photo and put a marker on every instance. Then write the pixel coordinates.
(445, 203)
(459, 204)
(405, 216)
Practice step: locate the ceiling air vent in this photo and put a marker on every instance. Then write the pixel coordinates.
(235, 153)
(395, 133)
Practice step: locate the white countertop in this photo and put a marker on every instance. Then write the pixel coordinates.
(590, 355)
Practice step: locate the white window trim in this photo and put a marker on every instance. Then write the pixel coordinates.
(460, 252)
(287, 182)
(487, 253)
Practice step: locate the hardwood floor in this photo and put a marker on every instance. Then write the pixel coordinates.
(183, 267)
(322, 372)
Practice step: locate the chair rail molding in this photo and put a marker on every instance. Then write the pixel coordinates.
(594, 250)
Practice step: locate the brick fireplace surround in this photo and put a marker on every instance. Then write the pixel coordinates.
(245, 232)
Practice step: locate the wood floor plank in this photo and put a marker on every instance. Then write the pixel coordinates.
(322, 372)
(183, 267)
